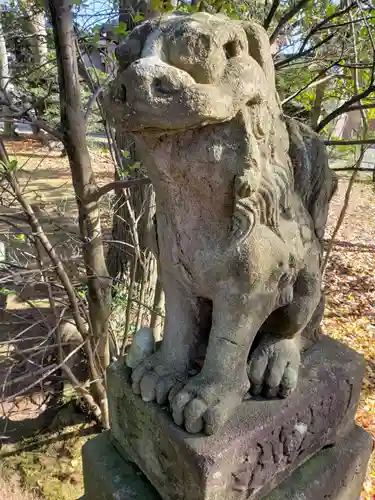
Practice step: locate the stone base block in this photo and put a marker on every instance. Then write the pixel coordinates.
(262, 444)
(108, 476)
(335, 473)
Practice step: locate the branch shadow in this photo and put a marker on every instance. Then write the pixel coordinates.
(357, 283)
(347, 246)
(38, 155)
(40, 427)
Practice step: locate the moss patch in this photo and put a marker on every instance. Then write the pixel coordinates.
(49, 464)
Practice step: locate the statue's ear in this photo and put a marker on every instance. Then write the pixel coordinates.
(131, 49)
(259, 48)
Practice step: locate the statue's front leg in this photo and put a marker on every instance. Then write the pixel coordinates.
(207, 400)
(155, 376)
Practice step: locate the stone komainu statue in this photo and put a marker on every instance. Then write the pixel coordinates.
(242, 199)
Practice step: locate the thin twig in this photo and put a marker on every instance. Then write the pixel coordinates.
(287, 17)
(123, 184)
(349, 142)
(362, 106)
(345, 107)
(92, 101)
(129, 304)
(273, 9)
(287, 60)
(45, 375)
(322, 24)
(313, 83)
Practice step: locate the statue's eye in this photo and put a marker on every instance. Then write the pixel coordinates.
(232, 49)
(158, 84)
(123, 92)
(164, 86)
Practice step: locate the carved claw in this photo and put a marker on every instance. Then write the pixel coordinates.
(154, 378)
(206, 405)
(273, 367)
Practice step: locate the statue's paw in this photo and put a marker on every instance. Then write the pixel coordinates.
(273, 367)
(205, 405)
(154, 377)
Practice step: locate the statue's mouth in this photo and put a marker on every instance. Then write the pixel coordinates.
(152, 97)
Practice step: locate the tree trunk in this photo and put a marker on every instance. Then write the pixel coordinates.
(141, 200)
(36, 27)
(156, 322)
(318, 102)
(4, 64)
(128, 9)
(72, 117)
(5, 77)
(140, 197)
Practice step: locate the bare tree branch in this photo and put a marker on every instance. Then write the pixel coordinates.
(82, 174)
(359, 96)
(351, 169)
(92, 101)
(347, 23)
(353, 66)
(350, 142)
(319, 26)
(47, 374)
(118, 184)
(273, 9)
(313, 83)
(287, 17)
(39, 233)
(344, 108)
(287, 60)
(302, 50)
(61, 274)
(362, 106)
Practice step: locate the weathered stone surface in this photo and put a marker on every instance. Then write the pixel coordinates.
(241, 205)
(335, 473)
(257, 448)
(107, 476)
(142, 346)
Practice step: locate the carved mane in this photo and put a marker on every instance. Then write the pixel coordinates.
(263, 190)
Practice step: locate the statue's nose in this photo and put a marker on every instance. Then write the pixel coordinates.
(147, 79)
(159, 86)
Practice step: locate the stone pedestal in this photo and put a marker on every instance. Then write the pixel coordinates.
(335, 473)
(258, 454)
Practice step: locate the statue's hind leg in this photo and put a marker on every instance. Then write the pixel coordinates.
(274, 364)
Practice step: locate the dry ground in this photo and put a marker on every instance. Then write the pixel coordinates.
(350, 289)
(11, 490)
(350, 311)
